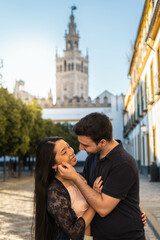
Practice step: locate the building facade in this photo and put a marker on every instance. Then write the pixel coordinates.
(142, 101)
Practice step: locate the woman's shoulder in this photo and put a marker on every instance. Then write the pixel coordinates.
(58, 187)
(57, 192)
(55, 183)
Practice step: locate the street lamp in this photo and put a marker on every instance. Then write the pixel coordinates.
(143, 128)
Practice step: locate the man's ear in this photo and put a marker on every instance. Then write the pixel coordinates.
(103, 142)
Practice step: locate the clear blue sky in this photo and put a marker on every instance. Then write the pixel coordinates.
(31, 30)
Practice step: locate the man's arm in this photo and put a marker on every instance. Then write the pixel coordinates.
(102, 203)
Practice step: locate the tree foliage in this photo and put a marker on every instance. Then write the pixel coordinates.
(22, 127)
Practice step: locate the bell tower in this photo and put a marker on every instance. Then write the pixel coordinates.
(72, 67)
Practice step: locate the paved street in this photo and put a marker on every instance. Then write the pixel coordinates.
(16, 208)
(150, 203)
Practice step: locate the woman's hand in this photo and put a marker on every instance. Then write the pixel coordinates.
(98, 184)
(143, 217)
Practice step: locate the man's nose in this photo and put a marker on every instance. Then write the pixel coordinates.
(81, 147)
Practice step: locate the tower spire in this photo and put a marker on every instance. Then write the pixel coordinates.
(72, 36)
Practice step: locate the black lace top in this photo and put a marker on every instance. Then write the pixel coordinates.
(59, 207)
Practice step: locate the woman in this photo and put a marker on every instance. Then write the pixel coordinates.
(62, 213)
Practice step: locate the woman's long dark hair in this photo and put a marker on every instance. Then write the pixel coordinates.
(45, 227)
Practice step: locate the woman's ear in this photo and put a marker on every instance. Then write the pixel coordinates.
(55, 166)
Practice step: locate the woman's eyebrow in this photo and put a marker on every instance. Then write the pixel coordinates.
(63, 149)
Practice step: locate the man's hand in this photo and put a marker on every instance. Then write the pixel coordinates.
(67, 171)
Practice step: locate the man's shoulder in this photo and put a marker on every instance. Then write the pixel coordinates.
(91, 157)
(90, 160)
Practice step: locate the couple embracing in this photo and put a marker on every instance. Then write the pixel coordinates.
(103, 204)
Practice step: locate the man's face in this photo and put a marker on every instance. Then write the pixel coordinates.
(87, 144)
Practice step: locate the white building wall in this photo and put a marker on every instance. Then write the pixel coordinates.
(72, 115)
(149, 118)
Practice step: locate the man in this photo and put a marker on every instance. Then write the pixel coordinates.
(118, 214)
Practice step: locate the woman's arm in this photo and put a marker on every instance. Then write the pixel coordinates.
(89, 214)
(59, 207)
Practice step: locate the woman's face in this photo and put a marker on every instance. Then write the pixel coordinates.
(64, 153)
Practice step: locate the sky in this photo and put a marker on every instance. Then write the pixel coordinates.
(31, 30)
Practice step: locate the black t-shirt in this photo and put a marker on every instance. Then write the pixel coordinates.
(120, 180)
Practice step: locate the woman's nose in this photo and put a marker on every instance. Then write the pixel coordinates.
(71, 151)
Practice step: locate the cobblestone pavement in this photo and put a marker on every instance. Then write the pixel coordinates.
(16, 208)
(150, 203)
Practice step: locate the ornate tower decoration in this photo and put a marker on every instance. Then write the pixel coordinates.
(72, 68)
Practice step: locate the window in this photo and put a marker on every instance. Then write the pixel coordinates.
(69, 67)
(138, 147)
(148, 150)
(75, 44)
(154, 144)
(143, 142)
(81, 66)
(146, 97)
(85, 69)
(141, 87)
(78, 67)
(152, 83)
(72, 66)
(158, 65)
(65, 64)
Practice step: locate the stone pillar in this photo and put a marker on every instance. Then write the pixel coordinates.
(74, 102)
(58, 102)
(89, 102)
(97, 102)
(82, 102)
(66, 102)
(105, 101)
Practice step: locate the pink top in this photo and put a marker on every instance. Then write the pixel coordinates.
(78, 202)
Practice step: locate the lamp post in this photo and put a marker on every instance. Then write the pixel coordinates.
(143, 128)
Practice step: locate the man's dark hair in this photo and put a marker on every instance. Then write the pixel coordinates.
(95, 125)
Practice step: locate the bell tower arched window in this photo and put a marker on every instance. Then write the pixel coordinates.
(65, 64)
(81, 66)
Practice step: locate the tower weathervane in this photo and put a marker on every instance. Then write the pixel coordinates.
(73, 8)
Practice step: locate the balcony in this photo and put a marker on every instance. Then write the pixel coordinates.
(144, 104)
(140, 114)
(150, 97)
